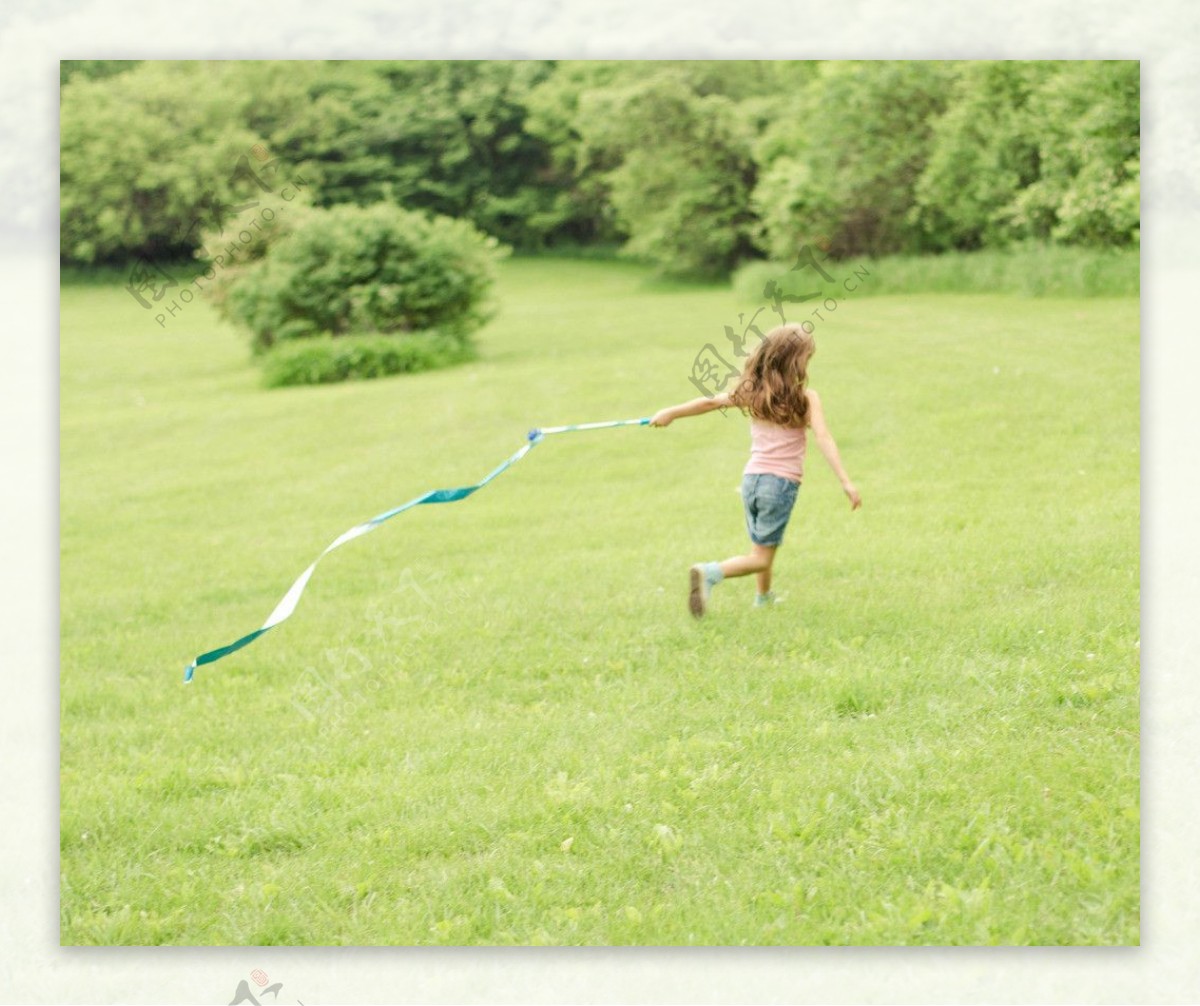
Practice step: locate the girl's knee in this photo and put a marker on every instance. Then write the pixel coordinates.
(764, 555)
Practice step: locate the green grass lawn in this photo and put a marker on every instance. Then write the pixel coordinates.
(494, 722)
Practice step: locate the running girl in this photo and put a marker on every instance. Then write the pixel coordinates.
(773, 391)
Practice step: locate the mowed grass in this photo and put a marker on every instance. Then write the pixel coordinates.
(494, 722)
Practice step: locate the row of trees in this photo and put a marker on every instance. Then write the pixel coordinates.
(694, 165)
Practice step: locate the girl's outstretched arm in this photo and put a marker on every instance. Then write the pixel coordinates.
(696, 407)
(816, 418)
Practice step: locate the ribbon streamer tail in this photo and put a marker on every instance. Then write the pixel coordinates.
(283, 610)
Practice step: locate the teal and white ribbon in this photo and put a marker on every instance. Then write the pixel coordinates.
(284, 608)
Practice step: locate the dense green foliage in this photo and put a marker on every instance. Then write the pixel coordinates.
(435, 135)
(841, 160)
(92, 69)
(443, 136)
(694, 165)
(1034, 150)
(683, 174)
(149, 159)
(361, 270)
(239, 246)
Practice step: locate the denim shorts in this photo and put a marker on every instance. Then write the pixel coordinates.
(769, 500)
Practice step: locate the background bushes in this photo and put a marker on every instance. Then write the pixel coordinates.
(147, 161)
(696, 166)
(682, 172)
(1016, 176)
(842, 157)
(356, 292)
(358, 270)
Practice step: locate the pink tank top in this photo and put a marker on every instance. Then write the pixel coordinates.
(776, 450)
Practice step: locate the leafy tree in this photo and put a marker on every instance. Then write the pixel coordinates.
(92, 69)
(581, 177)
(739, 80)
(983, 153)
(442, 136)
(695, 165)
(454, 134)
(1086, 122)
(582, 167)
(316, 116)
(840, 163)
(683, 175)
(148, 159)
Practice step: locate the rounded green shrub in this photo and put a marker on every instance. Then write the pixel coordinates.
(365, 270)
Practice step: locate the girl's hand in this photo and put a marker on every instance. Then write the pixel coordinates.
(855, 499)
(662, 418)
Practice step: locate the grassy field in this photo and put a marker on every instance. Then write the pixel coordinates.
(494, 722)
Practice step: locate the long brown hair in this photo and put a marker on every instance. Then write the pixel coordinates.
(775, 376)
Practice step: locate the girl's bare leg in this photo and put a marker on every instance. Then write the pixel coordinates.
(703, 579)
(758, 561)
